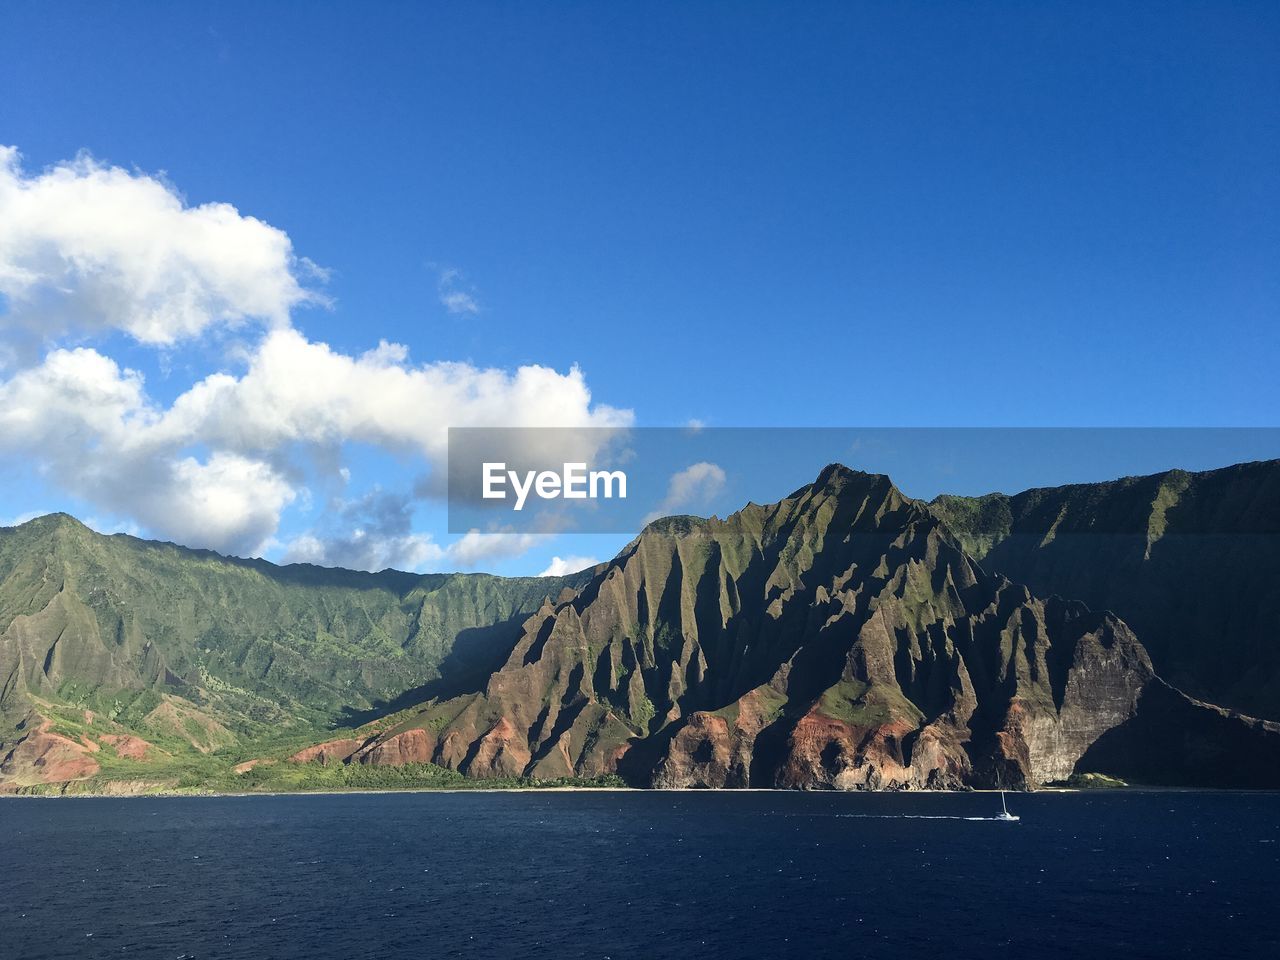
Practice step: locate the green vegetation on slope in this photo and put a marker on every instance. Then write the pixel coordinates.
(196, 652)
(1191, 561)
(839, 612)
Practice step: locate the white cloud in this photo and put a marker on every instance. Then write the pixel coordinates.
(24, 517)
(297, 390)
(89, 426)
(692, 488)
(455, 301)
(363, 549)
(475, 548)
(452, 297)
(228, 502)
(86, 248)
(563, 566)
(93, 429)
(109, 527)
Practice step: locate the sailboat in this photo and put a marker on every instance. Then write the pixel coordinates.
(1004, 813)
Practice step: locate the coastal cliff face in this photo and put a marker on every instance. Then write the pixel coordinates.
(1191, 561)
(837, 639)
(842, 638)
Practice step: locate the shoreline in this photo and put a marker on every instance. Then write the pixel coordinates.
(618, 790)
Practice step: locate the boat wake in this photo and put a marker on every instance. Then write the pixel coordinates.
(895, 816)
(913, 816)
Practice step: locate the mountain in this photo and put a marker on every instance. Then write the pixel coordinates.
(1191, 561)
(159, 641)
(840, 638)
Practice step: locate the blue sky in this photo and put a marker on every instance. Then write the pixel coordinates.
(745, 214)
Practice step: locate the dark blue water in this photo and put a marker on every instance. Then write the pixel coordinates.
(643, 875)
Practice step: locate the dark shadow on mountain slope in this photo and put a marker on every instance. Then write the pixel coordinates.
(1174, 740)
(477, 653)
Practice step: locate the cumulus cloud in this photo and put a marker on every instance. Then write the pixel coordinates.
(297, 390)
(86, 248)
(563, 566)
(89, 426)
(692, 488)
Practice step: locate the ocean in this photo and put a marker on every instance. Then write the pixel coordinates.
(621, 874)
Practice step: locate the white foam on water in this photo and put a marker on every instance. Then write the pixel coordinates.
(908, 816)
(891, 816)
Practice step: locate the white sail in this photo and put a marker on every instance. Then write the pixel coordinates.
(1004, 810)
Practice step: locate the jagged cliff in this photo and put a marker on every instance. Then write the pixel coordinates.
(1191, 561)
(839, 638)
(842, 638)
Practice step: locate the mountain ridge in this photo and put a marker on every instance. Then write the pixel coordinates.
(560, 706)
(843, 637)
(170, 641)
(1190, 560)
